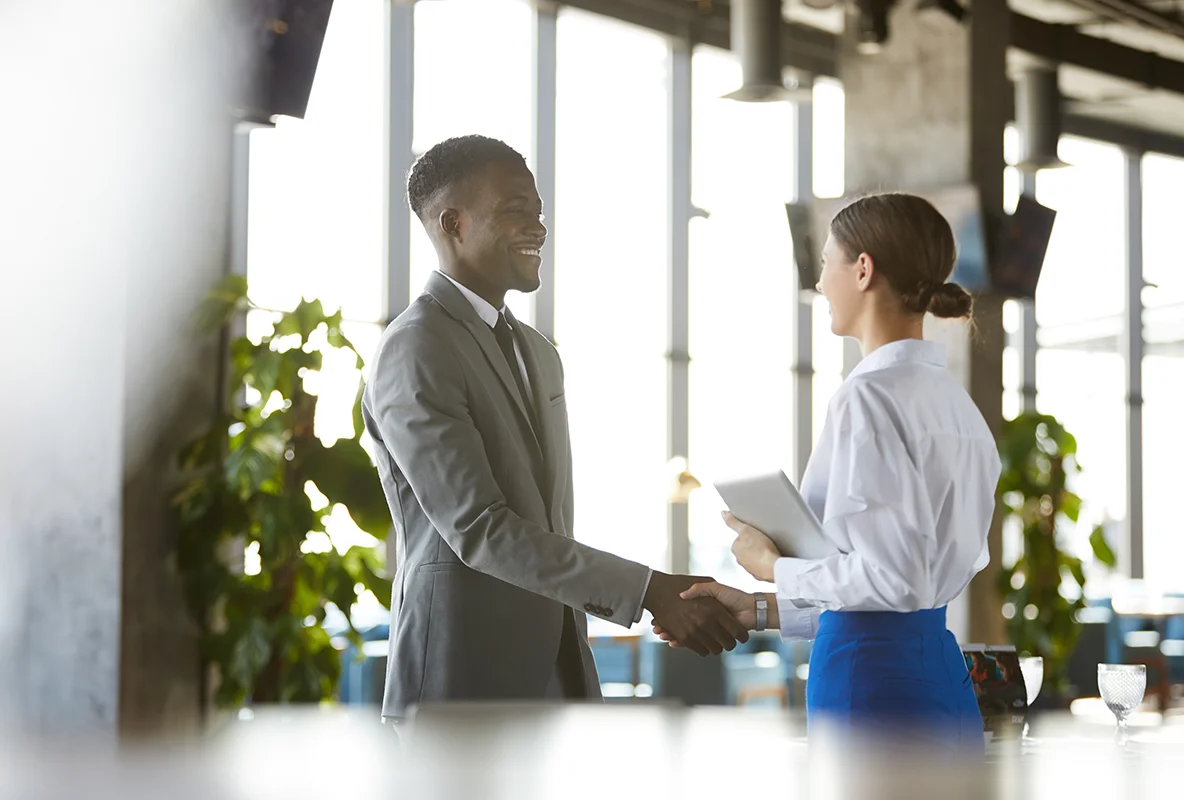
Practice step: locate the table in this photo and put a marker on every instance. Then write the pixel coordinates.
(652, 750)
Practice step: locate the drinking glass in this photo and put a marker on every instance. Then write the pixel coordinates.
(1122, 687)
(1032, 668)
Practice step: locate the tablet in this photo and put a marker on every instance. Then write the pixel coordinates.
(772, 505)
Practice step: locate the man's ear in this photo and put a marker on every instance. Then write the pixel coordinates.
(449, 223)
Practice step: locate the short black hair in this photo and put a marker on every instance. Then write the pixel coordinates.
(452, 161)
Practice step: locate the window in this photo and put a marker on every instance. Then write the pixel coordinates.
(829, 120)
(1012, 368)
(741, 287)
(1163, 372)
(1079, 371)
(1082, 279)
(828, 138)
(317, 189)
(316, 214)
(473, 74)
(610, 237)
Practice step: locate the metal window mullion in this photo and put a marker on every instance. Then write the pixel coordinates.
(544, 67)
(400, 61)
(678, 287)
(801, 305)
(1132, 341)
(1028, 329)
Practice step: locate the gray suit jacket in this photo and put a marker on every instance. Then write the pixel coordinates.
(484, 551)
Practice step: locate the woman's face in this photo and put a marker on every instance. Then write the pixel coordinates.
(843, 283)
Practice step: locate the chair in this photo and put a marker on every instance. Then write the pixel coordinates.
(1143, 647)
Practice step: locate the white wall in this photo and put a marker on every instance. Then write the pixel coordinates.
(115, 162)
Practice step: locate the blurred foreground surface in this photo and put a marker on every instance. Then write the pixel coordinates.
(652, 751)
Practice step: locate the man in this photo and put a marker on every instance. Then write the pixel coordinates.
(466, 408)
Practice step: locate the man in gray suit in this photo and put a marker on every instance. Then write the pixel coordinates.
(466, 408)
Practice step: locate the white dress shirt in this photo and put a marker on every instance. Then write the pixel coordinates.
(903, 480)
(489, 316)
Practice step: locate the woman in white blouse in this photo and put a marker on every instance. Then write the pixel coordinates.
(903, 479)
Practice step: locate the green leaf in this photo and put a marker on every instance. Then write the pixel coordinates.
(345, 474)
(264, 373)
(377, 584)
(227, 298)
(251, 651)
(358, 420)
(302, 320)
(339, 586)
(305, 599)
(1101, 548)
(1076, 570)
(253, 463)
(1070, 505)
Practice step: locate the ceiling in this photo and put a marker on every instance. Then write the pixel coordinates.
(1094, 94)
(1088, 93)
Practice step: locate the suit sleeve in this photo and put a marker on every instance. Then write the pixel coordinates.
(418, 402)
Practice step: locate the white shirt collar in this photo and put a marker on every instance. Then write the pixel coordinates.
(904, 351)
(482, 306)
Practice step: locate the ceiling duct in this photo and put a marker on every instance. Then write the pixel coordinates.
(756, 40)
(1038, 118)
(871, 25)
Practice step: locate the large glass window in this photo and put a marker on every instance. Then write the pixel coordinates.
(1012, 368)
(828, 160)
(1082, 279)
(741, 288)
(316, 214)
(611, 234)
(1079, 371)
(829, 121)
(317, 188)
(473, 74)
(1163, 372)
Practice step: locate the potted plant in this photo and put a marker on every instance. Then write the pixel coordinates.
(250, 481)
(1044, 589)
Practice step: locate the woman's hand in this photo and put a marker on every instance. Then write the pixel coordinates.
(753, 550)
(740, 605)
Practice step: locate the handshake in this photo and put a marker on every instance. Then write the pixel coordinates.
(708, 617)
(700, 614)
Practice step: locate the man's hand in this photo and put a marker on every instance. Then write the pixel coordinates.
(739, 604)
(753, 550)
(700, 624)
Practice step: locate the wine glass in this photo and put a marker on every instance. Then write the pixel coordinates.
(1032, 668)
(1122, 687)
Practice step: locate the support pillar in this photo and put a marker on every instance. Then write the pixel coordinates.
(929, 111)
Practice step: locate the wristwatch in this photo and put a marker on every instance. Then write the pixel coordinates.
(762, 610)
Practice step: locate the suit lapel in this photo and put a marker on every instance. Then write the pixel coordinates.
(549, 432)
(455, 304)
(493, 354)
(538, 391)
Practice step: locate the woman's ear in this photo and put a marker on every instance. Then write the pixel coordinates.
(865, 270)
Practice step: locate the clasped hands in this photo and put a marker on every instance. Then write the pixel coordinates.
(724, 615)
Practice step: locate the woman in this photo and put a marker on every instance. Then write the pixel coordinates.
(903, 479)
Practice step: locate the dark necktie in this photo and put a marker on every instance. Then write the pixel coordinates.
(505, 341)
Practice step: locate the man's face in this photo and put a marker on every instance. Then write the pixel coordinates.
(501, 227)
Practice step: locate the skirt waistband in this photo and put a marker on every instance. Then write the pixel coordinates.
(883, 623)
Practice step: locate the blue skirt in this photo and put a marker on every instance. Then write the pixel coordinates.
(877, 670)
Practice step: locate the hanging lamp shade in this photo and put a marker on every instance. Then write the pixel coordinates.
(756, 40)
(1038, 118)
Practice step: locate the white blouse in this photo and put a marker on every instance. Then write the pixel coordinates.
(903, 479)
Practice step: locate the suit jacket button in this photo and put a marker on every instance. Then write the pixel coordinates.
(608, 612)
(591, 609)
